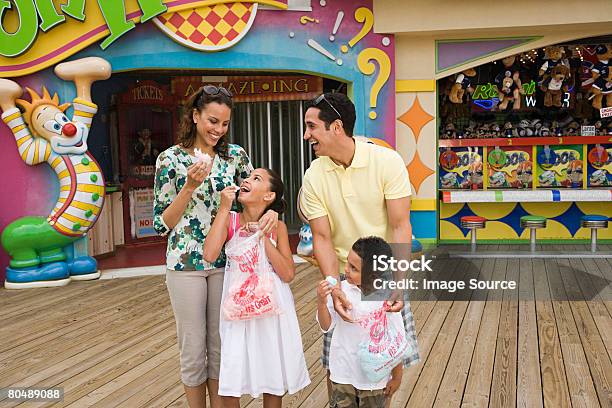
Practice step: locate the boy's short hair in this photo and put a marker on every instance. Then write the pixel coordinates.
(367, 248)
(344, 107)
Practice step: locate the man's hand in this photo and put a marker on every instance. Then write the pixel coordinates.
(342, 305)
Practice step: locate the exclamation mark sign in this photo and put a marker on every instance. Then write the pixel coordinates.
(336, 25)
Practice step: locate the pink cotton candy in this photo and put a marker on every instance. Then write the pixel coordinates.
(202, 157)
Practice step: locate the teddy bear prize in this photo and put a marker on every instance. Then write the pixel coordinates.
(554, 91)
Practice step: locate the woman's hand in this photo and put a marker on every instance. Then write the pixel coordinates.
(227, 197)
(196, 174)
(268, 222)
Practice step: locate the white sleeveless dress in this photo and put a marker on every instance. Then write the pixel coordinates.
(263, 355)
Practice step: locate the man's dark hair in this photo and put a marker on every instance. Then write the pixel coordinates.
(366, 248)
(341, 103)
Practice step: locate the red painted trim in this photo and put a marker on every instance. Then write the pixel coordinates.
(526, 141)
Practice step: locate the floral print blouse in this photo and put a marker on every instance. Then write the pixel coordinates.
(186, 239)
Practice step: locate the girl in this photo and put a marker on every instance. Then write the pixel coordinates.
(186, 201)
(262, 355)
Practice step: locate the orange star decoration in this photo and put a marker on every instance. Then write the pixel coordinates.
(415, 118)
(418, 171)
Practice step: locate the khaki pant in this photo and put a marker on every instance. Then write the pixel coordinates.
(196, 302)
(347, 396)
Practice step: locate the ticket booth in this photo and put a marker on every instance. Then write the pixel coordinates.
(146, 118)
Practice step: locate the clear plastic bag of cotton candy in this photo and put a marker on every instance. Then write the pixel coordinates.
(385, 346)
(248, 289)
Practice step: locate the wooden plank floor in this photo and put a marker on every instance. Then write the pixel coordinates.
(112, 343)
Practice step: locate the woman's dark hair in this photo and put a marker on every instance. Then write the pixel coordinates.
(334, 106)
(276, 186)
(198, 101)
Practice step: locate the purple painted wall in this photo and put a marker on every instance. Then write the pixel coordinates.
(454, 53)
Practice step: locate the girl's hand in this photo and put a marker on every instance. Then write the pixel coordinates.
(227, 196)
(196, 174)
(323, 290)
(268, 222)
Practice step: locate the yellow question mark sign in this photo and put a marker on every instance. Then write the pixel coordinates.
(368, 68)
(362, 15)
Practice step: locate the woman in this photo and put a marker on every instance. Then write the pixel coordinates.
(187, 194)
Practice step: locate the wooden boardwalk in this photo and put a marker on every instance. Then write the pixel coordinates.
(112, 343)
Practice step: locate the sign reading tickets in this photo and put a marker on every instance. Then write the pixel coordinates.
(35, 34)
(254, 88)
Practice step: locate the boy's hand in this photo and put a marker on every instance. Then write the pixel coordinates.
(228, 194)
(323, 290)
(393, 385)
(395, 302)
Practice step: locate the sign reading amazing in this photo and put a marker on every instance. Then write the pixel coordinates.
(254, 88)
(35, 34)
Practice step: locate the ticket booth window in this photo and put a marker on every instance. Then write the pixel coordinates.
(146, 116)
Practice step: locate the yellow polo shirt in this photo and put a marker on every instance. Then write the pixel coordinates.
(353, 198)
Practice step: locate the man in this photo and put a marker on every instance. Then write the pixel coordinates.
(353, 189)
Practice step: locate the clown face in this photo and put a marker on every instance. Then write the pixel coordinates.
(498, 179)
(65, 136)
(524, 172)
(449, 180)
(574, 172)
(305, 233)
(547, 179)
(305, 246)
(475, 173)
(599, 178)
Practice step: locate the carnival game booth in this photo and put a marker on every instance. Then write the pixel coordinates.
(155, 53)
(525, 143)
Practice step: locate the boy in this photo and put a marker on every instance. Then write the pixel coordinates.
(351, 386)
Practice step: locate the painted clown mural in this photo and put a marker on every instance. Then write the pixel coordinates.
(57, 158)
(44, 134)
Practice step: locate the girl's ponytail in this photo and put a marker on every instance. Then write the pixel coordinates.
(276, 186)
(280, 206)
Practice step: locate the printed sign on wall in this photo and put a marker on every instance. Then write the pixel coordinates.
(510, 167)
(461, 168)
(599, 168)
(560, 166)
(141, 209)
